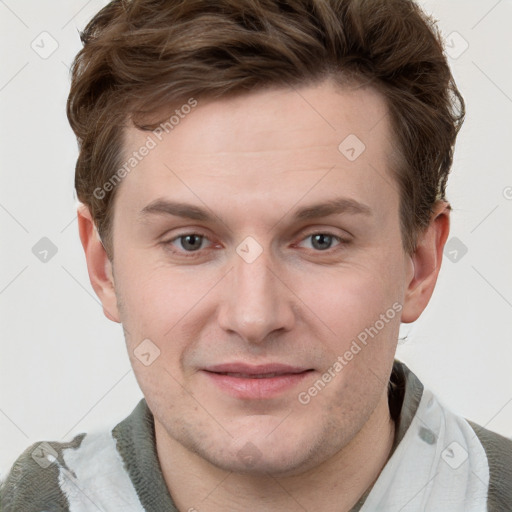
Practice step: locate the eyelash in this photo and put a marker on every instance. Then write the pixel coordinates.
(192, 254)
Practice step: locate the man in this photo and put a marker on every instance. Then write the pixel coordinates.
(305, 147)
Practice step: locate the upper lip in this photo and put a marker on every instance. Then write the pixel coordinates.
(260, 369)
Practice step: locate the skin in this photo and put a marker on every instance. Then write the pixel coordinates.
(252, 161)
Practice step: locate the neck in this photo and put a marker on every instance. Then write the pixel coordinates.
(335, 485)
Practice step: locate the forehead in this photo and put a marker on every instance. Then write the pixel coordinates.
(265, 148)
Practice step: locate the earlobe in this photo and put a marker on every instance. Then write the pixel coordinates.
(426, 263)
(99, 266)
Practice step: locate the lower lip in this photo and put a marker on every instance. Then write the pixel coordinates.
(257, 389)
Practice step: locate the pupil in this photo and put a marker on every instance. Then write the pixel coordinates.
(322, 239)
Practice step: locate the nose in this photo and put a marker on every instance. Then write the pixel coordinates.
(258, 301)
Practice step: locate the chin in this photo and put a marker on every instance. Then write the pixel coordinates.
(260, 451)
(253, 461)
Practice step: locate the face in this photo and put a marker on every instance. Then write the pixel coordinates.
(265, 265)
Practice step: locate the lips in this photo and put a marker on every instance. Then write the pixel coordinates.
(255, 382)
(250, 375)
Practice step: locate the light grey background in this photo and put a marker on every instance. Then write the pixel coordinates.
(64, 367)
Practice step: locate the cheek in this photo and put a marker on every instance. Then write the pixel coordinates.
(152, 294)
(348, 300)
(166, 306)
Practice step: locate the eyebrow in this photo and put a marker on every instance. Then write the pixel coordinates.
(335, 206)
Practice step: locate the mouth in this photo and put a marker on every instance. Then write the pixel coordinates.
(255, 382)
(254, 376)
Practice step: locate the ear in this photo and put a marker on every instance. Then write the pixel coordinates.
(426, 263)
(98, 264)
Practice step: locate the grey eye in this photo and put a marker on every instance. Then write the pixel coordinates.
(321, 241)
(191, 242)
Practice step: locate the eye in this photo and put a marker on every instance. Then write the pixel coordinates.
(186, 243)
(321, 241)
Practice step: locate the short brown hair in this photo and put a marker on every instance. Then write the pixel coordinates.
(140, 56)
